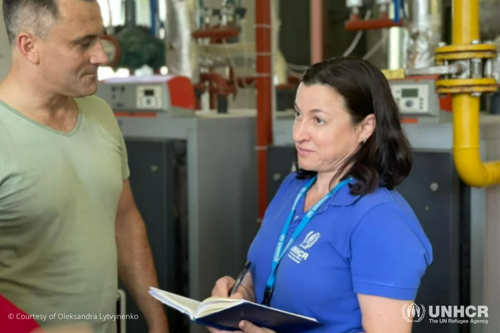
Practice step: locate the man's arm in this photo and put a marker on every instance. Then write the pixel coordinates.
(135, 262)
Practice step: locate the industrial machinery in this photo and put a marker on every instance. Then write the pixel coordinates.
(417, 101)
(171, 95)
(355, 23)
(193, 178)
(133, 47)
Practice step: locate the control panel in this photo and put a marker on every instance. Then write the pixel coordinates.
(173, 95)
(412, 98)
(149, 97)
(418, 102)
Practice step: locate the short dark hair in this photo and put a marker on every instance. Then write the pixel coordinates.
(385, 158)
(35, 16)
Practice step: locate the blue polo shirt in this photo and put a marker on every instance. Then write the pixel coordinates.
(371, 244)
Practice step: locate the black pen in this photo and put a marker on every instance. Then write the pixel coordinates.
(240, 278)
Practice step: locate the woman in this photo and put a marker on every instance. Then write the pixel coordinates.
(359, 258)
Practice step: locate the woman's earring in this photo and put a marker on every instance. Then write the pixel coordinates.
(363, 141)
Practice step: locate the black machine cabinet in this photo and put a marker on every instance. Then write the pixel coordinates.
(442, 204)
(157, 180)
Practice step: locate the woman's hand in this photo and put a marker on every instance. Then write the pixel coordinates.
(223, 287)
(248, 327)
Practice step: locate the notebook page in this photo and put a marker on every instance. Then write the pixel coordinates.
(215, 304)
(180, 303)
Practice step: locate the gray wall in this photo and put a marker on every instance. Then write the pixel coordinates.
(5, 56)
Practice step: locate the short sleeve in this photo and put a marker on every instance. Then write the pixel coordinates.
(389, 253)
(124, 156)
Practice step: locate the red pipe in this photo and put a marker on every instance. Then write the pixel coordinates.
(218, 85)
(216, 33)
(264, 95)
(355, 24)
(223, 88)
(316, 30)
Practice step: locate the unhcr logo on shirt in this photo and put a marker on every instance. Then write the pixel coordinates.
(310, 240)
(298, 253)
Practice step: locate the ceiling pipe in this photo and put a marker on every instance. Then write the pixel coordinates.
(263, 44)
(317, 30)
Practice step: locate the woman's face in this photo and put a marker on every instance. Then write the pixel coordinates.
(323, 132)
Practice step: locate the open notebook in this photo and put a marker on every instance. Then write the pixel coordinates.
(226, 313)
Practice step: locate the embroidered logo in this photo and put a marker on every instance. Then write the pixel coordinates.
(310, 240)
(298, 253)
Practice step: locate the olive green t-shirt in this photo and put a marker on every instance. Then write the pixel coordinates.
(58, 202)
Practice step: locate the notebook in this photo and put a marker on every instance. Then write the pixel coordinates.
(226, 313)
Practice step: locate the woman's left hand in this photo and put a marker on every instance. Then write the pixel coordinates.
(248, 327)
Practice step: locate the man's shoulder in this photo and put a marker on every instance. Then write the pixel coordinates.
(97, 111)
(94, 104)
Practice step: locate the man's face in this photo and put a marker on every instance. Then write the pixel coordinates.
(72, 52)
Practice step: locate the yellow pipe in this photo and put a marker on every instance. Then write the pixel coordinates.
(465, 21)
(467, 158)
(466, 152)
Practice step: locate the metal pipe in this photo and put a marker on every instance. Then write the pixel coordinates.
(466, 152)
(420, 12)
(182, 54)
(263, 47)
(468, 162)
(465, 21)
(130, 20)
(425, 32)
(316, 30)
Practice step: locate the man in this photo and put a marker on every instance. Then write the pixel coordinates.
(68, 222)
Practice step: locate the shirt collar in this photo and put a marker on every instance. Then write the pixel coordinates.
(343, 197)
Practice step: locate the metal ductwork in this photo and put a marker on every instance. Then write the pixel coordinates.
(424, 32)
(181, 47)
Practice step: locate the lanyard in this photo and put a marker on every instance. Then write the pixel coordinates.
(280, 251)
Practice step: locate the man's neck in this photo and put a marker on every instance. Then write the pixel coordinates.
(30, 97)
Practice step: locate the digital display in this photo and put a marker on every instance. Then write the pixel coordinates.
(149, 92)
(409, 93)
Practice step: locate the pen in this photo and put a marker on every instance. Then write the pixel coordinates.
(240, 278)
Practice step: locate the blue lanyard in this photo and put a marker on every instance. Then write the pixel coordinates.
(280, 251)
